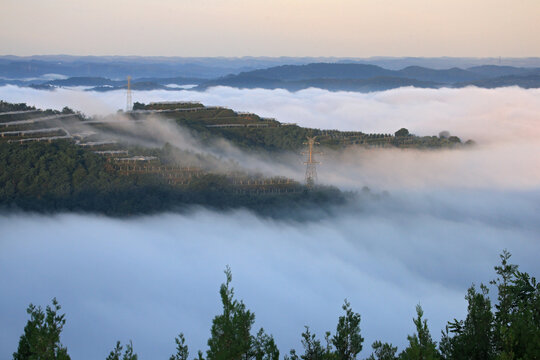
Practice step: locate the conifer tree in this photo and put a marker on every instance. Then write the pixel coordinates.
(41, 337)
(421, 346)
(517, 315)
(182, 351)
(383, 351)
(348, 341)
(313, 349)
(473, 338)
(117, 352)
(231, 337)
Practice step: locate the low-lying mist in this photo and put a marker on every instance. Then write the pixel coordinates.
(476, 113)
(446, 217)
(147, 279)
(504, 123)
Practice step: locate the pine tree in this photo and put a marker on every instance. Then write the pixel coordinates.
(231, 337)
(517, 315)
(348, 341)
(473, 338)
(264, 347)
(41, 337)
(182, 352)
(117, 352)
(383, 351)
(421, 346)
(230, 334)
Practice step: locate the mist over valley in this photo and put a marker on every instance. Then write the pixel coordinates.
(429, 224)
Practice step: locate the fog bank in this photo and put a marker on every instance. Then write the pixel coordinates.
(504, 122)
(447, 216)
(147, 279)
(481, 114)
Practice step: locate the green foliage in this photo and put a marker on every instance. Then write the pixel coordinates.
(313, 349)
(472, 338)
(383, 351)
(517, 315)
(264, 347)
(421, 346)
(402, 132)
(138, 106)
(182, 352)
(348, 341)
(41, 337)
(62, 176)
(231, 337)
(6, 106)
(511, 332)
(117, 352)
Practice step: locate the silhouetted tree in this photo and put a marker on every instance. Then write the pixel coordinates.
(117, 351)
(517, 315)
(383, 351)
(313, 349)
(402, 132)
(230, 334)
(263, 347)
(348, 341)
(421, 346)
(41, 337)
(182, 352)
(473, 338)
(231, 338)
(444, 134)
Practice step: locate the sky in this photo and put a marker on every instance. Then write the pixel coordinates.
(344, 28)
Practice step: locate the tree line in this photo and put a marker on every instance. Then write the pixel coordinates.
(506, 330)
(61, 176)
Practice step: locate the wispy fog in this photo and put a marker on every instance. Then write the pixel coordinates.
(482, 114)
(504, 122)
(147, 279)
(446, 217)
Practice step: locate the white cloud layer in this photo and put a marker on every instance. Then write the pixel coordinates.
(504, 122)
(485, 115)
(147, 279)
(448, 214)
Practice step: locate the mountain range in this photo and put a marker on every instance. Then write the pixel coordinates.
(333, 76)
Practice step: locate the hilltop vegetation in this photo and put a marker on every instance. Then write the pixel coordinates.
(60, 176)
(254, 133)
(63, 161)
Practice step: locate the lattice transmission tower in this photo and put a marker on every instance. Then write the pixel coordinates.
(129, 101)
(311, 163)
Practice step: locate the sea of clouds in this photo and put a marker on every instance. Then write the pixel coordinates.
(447, 216)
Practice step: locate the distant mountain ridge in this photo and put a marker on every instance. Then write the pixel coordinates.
(348, 76)
(365, 77)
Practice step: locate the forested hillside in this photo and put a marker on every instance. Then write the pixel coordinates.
(64, 161)
(60, 176)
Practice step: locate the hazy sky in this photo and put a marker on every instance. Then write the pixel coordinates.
(279, 27)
